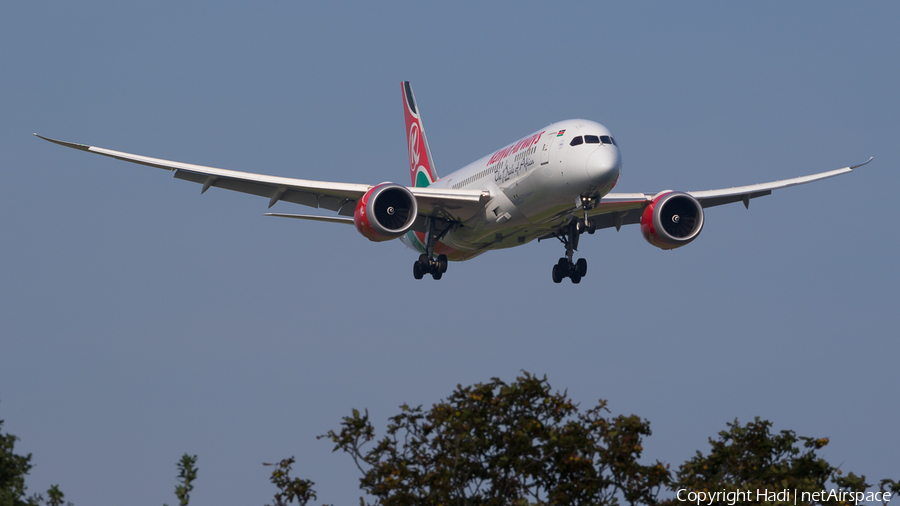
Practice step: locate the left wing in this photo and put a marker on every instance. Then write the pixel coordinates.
(450, 204)
(711, 198)
(617, 209)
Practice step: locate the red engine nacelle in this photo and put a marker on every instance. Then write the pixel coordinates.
(385, 212)
(672, 220)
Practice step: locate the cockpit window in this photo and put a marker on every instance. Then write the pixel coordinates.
(576, 141)
(591, 139)
(608, 140)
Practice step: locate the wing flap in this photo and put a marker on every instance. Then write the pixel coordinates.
(617, 209)
(450, 204)
(617, 219)
(329, 219)
(728, 199)
(238, 185)
(309, 199)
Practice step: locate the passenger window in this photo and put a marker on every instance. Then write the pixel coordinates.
(591, 139)
(576, 141)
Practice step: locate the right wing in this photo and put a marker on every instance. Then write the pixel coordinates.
(617, 209)
(450, 204)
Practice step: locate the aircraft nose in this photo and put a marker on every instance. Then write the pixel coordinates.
(603, 165)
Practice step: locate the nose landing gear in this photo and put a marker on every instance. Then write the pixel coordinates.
(568, 235)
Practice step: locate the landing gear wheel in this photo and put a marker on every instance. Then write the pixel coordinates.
(580, 268)
(575, 277)
(442, 263)
(421, 267)
(436, 274)
(562, 267)
(591, 227)
(557, 277)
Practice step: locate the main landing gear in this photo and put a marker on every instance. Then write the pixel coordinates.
(427, 264)
(568, 235)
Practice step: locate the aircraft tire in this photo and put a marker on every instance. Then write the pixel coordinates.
(563, 267)
(442, 263)
(417, 270)
(575, 278)
(556, 277)
(581, 267)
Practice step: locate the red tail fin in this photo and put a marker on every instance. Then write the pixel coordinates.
(421, 164)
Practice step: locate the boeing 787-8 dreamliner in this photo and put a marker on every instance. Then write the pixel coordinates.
(553, 183)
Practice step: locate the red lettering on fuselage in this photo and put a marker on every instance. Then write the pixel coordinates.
(515, 148)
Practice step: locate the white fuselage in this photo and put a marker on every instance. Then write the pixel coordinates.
(533, 184)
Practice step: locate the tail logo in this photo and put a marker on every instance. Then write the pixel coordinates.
(413, 148)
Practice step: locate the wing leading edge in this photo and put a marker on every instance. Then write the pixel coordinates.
(338, 197)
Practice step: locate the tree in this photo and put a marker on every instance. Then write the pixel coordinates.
(499, 444)
(54, 498)
(13, 469)
(187, 473)
(290, 489)
(520, 443)
(749, 457)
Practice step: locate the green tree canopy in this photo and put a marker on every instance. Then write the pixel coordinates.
(187, 473)
(13, 469)
(750, 457)
(498, 444)
(521, 443)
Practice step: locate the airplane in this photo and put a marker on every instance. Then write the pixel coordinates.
(555, 182)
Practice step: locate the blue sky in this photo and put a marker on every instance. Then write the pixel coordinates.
(140, 320)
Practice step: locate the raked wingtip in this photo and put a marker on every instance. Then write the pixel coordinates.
(67, 144)
(864, 163)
